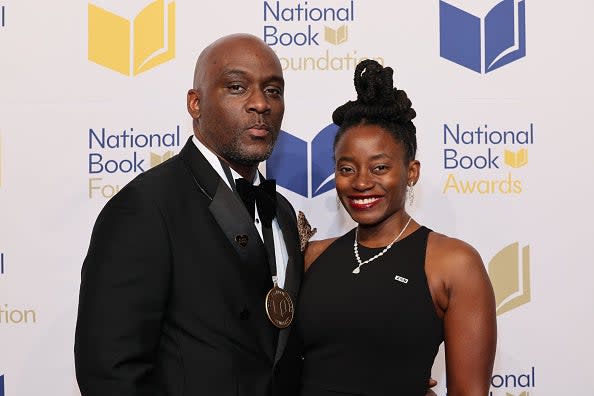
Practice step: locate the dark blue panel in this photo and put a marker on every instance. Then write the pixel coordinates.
(460, 36)
(499, 30)
(497, 25)
(288, 163)
(322, 166)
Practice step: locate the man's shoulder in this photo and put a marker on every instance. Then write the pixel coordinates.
(284, 203)
(160, 176)
(284, 200)
(153, 184)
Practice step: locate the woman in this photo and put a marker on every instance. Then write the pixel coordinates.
(377, 302)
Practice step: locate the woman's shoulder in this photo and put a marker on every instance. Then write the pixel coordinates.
(451, 256)
(449, 245)
(315, 249)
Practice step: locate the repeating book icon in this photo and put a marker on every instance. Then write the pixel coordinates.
(132, 47)
(509, 271)
(336, 36)
(515, 159)
(157, 159)
(308, 173)
(483, 43)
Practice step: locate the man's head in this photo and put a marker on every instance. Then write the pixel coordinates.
(237, 100)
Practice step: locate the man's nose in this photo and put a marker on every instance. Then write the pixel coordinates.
(258, 102)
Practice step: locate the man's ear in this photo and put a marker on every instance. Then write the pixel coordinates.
(194, 103)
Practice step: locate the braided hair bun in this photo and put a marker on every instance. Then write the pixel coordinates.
(378, 103)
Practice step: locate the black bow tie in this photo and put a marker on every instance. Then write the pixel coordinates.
(264, 196)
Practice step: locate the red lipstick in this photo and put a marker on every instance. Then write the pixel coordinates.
(363, 202)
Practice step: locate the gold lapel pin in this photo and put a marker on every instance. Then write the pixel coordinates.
(242, 240)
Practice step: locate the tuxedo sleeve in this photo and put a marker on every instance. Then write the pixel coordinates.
(123, 294)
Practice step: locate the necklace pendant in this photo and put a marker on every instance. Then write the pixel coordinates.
(356, 250)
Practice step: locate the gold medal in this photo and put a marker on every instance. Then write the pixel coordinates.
(279, 307)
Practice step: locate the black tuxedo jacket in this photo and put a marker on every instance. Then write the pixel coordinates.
(171, 303)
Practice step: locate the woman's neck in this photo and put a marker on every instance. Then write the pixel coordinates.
(383, 233)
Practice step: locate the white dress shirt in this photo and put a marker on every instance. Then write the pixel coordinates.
(280, 250)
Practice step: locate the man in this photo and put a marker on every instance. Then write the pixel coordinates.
(172, 298)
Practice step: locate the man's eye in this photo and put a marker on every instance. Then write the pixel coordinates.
(274, 91)
(345, 169)
(235, 88)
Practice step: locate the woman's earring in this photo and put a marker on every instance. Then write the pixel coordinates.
(410, 192)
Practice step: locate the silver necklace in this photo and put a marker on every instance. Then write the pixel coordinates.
(356, 248)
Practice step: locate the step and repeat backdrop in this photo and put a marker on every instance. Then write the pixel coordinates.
(94, 93)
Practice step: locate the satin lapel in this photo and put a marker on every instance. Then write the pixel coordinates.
(235, 222)
(205, 177)
(288, 225)
(225, 206)
(238, 226)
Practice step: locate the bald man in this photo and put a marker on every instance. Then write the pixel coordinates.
(187, 286)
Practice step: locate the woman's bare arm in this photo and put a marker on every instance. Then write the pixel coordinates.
(470, 327)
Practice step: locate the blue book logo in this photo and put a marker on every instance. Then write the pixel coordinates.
(294, 168)
(483, 44)
(1, 385)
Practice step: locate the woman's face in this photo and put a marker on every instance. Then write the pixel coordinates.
(372, 174)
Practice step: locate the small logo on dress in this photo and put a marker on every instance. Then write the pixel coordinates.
(401, 279)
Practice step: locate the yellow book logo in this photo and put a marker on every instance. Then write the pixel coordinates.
(516, 159)
(116, 43)
(509, 271)
(336, 36)
(157, 159)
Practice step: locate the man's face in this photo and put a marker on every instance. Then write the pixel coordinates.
(240, 101)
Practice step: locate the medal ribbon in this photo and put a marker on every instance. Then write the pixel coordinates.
(264, 197)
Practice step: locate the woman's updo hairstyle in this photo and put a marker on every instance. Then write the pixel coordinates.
(378, 103)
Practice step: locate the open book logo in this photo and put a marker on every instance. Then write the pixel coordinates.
(336, 36)
(483, 43)
(132, 47)
(515, 159)
(296, 167)
(509, 271)
(157, 159)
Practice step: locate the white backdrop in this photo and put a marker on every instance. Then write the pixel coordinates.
(53, 184)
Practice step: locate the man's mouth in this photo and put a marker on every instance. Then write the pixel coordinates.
(259, 130)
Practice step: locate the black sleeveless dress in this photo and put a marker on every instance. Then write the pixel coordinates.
(373, 333)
